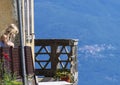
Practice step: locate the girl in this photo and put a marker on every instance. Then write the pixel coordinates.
(6, 39)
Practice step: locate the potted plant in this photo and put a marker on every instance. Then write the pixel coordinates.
(7, 77)
(63, 75)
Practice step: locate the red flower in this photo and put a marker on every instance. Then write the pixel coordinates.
(5, 55)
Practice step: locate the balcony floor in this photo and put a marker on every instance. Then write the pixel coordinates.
(54, 83)
(51, 81)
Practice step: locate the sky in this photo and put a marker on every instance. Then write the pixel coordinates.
(95, 17)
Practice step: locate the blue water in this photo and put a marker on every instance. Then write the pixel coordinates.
(96, 24)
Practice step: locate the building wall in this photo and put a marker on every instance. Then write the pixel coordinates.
(7, 13)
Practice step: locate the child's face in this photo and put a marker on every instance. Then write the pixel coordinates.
(4, 38)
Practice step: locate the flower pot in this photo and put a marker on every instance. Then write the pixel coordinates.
(65, 78)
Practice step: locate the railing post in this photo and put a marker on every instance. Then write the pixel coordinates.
(74, 63)
(54, 58)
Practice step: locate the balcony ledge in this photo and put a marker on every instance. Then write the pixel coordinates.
(55, 83)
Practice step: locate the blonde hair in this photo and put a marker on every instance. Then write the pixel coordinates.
(11, 30)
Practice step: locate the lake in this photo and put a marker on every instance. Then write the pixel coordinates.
(96, 24)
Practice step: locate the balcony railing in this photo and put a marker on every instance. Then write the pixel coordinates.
(53, 54)
(14, 65)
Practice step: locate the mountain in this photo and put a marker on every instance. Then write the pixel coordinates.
(96, 24)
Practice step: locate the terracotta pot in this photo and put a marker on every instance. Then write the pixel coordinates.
(65, 78)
